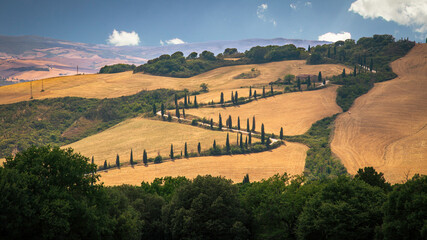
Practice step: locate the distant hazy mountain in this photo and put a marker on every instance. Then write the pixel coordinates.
(33, 57)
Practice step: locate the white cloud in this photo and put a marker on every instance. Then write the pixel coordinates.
(333, 37)
(123, 38)
(293, 6)
(173, 41)
(261, 14)
(307, 4)
(412, 13)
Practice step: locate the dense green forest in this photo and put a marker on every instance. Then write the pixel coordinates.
(116, 68)
(60, 121)
(48, 193)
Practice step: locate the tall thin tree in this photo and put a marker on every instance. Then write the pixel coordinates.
(145, 158)
(185, 150)
(262, 133)
(238, 123)
(253, 124)
(118, 161)
(131, 157)
(171, 153)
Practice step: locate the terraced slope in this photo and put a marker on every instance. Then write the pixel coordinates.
(387, 127)
(289, 158)
(295, 112)
(121, 84)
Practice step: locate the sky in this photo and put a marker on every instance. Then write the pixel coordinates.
(165, 22)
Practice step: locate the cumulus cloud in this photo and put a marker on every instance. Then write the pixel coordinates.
(412, 13)
(173, 41)
(261, 13)
(293, 6)
(123, 38)
(334, 37)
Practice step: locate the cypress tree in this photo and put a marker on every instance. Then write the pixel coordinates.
(232, 97)
(309, 49)
(281, 133)
(214, 144)
(145, 158)
(238, 123)
(185, 150)
(255, 94)
(211, 123)
(171, 154)
(324, 81)
(131, 157)
(183, 113)
(195, 102)
(262, 133)
(199, 148)
(188, 99)
(253, 124)
(250, 91)
(230, 123)
(299, 84)
(93, 160)
(177, 112)
(308, 82)
(118, 161)
(154, 109)
(220, 122)
(185, 100)
(247, 125)
(263, 91)
(236, 98)
(343, 72)
(250, 138)
(371, 65)
(246, 142)
(227, 143)
(169, 117)
(319, 77)
(354, 71)
(241, 141)
(237, 139)
(105, 164)
(222, 98)
(246, 179)
(176, 100)
(162, 111)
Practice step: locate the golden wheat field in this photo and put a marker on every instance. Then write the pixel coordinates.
(154, 136)
(289, 158)
(126, 83)
(295, 112)
(387, 127)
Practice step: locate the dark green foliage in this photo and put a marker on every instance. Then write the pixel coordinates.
(253, 124)
(195, 102)
(185, 150)
(177, 114)
(145, 158)
(131, 157)
(405, 211)
(169, 117)
(247, 125)
(199, 148)
(222, 98)
(255, 95)
(116, 68)
(320, 163)
(250, 91)
(315, 58)
(238, 123)
(185, 100)
(227, 143)
(262, 134)
(263, 91)
(158, 159)
(342, 209)
(154, 110)
(171, 152)
(211, 123)
(206, 208)
(230, 122)
(241, 140)
(219, 122)
(319, 77)
(271, 90)
(299, 84)
(246, 179)
(105, 164)
(281, 133)
(273, 53)
(250, 138)
(162, 111)
(373, 178)
(183, 113)
(118, 161)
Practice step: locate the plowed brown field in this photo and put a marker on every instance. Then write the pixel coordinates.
(387, 127)
(290, 159)
(121, 84)
(295, 112)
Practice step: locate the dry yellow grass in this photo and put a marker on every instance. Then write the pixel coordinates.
(387, 127)
(139, 134)
(290, 159)
(295, 112)
(121, 84)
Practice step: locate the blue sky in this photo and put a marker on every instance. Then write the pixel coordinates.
(156, 22)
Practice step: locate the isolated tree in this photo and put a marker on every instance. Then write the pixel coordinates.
(324, 81)
(263, 91)
(183, 113)
(118, 161)
(162, 111)
(188, 99)
(222, 98)
(185, 100)
(371, 65)
(131, 157)
(250, 91)
(232, 97)
(354, 72)
(299, 84)
(185, 150)
(214, 144)
(309, 49)
(195, 102)
(319, 77)
(145, 158)
(241, 140)
(230, 123)
(220, 122)
(199, 148)
(105, 164)
(236, 97)
(246, 179)
(238, 123)
(281, 133)
(177, 112)
(211, 123)
(253, 124)
(271, 90)
(247, 125)
(171, 153)
(154, 109)
(204, 87)
(343, 72)
(262, 134)
(227, 143)
(250, 138)
(246, 142)
(373, 178)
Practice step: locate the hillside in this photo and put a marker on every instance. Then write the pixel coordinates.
(386, 128)
(289, 158)
(126, 83)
